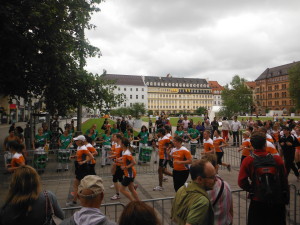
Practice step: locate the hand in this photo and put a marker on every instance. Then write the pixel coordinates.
(289, 144)
(81, 163)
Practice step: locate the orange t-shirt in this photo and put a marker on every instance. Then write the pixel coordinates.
(246, 144)
(276, 135)
(17, 160)
(271, 148)
(217, 142)
(180, 154)
(126, 160)
(92, 150)
(161, 147)
(82, 153)
(117, 153)
(298, 138)
(208, 145)
(269, 138)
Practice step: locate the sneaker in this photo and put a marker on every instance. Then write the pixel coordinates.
(165, 178)
(158, 188)
(229, 168)
(112, 186)
(115, 197)
(135, 186)
(71, 204)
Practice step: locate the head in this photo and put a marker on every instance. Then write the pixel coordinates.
(125, 144)
(235, 118)
(206, 134)
(66, 132)
(91, 191)
(14, 146)
(217, 133)
(212, 158)
(11, 132)
(179, 128)
(137, 212)
(79, 140)
(19, 130)
(297, 129)
(115, 126)
(224, 118)
(40, 131)
(161, 132)
(144, 128)
(286, 131)
(203, 173)
(207, 121)
(185, 117)
(94, 126)
(119, 138)
(246, 134)
(24, 188)
(258, 140)
(177, 141)
(167, 128)
(88, 139)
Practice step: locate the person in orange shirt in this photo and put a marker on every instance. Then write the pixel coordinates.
(246, 147)
(83, 157)
(270, 148)
(127, 161)
(17, 159)
(181, 160)
(219, 143)
(163, 158)
(93, 151)
(276, 135)
(117, 172)
(297, 152)
(208, 146)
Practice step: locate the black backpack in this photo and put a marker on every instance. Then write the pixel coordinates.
(266, 180)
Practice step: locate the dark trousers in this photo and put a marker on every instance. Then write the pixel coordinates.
(289, 164)
(236, 137)
(179, 178)
(261, 213)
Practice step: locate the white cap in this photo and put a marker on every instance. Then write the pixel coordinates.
(79, 138)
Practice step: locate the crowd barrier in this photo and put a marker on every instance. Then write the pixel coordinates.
(240, 208)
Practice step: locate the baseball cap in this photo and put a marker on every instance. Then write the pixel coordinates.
(93, 183)
(79, 138)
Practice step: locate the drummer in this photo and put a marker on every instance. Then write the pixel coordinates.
(143, 138)
(105, 139)
(64, 143)
(17, 160)
(40, 140)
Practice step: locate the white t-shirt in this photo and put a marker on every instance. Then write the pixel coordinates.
(185, 123)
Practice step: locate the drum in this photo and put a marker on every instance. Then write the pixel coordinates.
(63, 155)
(39, 159)
(98, 149)
(7, 158)
(145, 154)
(134, 150)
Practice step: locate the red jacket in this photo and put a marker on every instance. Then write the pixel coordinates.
(247, 171)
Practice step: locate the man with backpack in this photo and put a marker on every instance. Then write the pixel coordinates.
(268, 186)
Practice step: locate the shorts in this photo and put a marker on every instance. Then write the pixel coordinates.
(219, 157)
(81, 170)
(118, 176)
(164, 162)
(92, 169)
(126, 181)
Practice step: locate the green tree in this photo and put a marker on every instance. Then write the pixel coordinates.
(294, 80)
(201, 110)
(237, 98)
(137, 110)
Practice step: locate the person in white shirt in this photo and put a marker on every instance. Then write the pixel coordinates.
(225, 129)
(185, 123)
(235, 128)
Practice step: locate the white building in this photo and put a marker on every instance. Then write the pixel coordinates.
(133, 87)
(216, 91)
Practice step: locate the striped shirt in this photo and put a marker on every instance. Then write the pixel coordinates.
(222, 215)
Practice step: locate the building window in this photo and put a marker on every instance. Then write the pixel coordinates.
(130, 104)
(124, 104)
(137, 97)
(130, 96)
(124, 89)
(142, 89)
(142, 96)
(119, 89)
(137, 89)
(130, 89)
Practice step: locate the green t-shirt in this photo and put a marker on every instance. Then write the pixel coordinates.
(47, 134)
(41, 140)
(194, 133)
(114, 131)
(144, 137)
(94, 136)
(179, 133)
(106, 139)
(65, 141)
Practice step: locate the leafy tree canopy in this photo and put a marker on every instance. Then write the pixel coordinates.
(294, 80)
(201, 110)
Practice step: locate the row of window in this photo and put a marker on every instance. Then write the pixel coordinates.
(173, 107)
(174, 101)
(136, 97)
(177, 90)
(131, 89)
(270, 95)
(278, 103)
(179, 96)
(176, 84)
(277, 79)
(272, 88)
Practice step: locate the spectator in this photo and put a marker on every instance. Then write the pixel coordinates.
(262, 211)
(137, 213)
(208, 126)
(185, 123)
(123, 125)
(235, 128)
(130, 121)
(215, 125)
(114, 129)
(25, 200)
(201, 129)
(91, 194)
(220, 196)
(191, 204)
(9, 138)
(191, 124)
(179, 122)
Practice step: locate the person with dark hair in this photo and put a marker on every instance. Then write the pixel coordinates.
(264, 209)
(123, 125)
(246, 147)
(17, 158)
(235, 128)
(208, 145)
(105, 139)
(138, 213)
(64, 143)
(179, 132)
(288, 145)
(88, 143)
(193, 136)
(181, 160)
(163, 159)
(90, 194)
(219, 143)
(192, 204)
(10, 137)
(128, 162)
(220, 196)
(26, 202)
(40, 139)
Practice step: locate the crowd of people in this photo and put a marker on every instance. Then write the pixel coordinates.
(271, 146)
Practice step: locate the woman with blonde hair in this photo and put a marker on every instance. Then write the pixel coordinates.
(26, 202)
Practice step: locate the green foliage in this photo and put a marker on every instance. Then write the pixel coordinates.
(237, 98)
(294, 80)
(150, 112)
(43, 52)
(137, 110)
(123, 111)
(292, 110)
(201, 110)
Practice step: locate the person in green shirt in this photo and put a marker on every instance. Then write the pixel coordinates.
(65, 140)
(40, 139)
(105, 139)
(191, 204)
(193, 135)
(92, 133)
(114, 129)
(143, 138)
(179, 132)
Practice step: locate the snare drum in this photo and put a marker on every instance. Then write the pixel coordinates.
(63, 155)
(39, 159)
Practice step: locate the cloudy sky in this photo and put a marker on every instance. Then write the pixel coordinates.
(212, 39)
